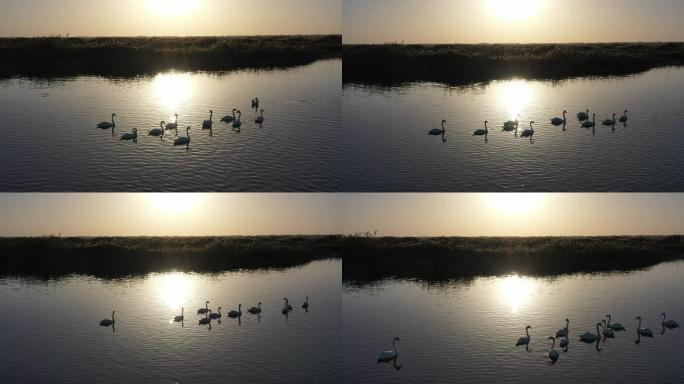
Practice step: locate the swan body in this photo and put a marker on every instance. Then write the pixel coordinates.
(233, 314)
(609, 122)
(286, 307)
(107, 322)
(511, 124)
(255, 310)
(107, 124)
(589, 337)
(173, 125)
(564, 342)
(130, 136)
(181, 317)
(582, 116)
(481, 131)
(558, 121)
(205, 320)
(525, 339)
(255, 103)
(207, 124)
(528, 132)
(437, 131)
(607, 332)
(306, 303)
(204, 310)
(386, 356)
(158, 131)
(183, 140)
(671, 324)
(563, 332)
(623, 118)
(216, 315)
(260, 119)
(616, 326)
(553, 354)
(643, 331)
(228, 118)
(590, 124)
(237, 123)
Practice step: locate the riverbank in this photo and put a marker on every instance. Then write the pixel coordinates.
(459, 64)
(128, 56)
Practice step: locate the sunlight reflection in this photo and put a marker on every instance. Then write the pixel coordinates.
(515, 96)
(174, 289)
(174, 203)
(172, 90)
(515, 291)
(516, 204)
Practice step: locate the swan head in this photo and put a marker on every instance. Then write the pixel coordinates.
(551, 338)
(626, 111)
(564, 112)
(396, 339)
(114, 114)
(637, 318)
(662, 314)
(207, 303)
(528, 327)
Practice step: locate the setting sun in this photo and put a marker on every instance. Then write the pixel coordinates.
(172, 7)
(515, 9)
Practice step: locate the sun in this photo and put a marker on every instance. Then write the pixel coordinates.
(516, 204)
(515, 9)
(174, 204)
(171, 7)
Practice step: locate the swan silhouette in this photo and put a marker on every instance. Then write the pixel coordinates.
(609, 122)
(228, 118)
(233, 314)
(204, 310)
(255, 310)
(623, 118)
(183, 140)
(306, 303)
(590, 124)
(173, 125)
(437, 131)
(670, 324)
(557, 121)
(529, 132)
(108, 322)
(216, 315)
(607, 332)
(482, 131)
(286, 307)
(589, 337)
(237, 123)
(563, 332)
(181, 317)
(511, 124)
(387, 356)
(643, 331)
(207, 124)
(525, 340)
(255, 103)
(260, 119)
(130, 136)
(582, 116)
(553, 354)
(157, 131)
(107, 124)
(206, 319)
(616, 326)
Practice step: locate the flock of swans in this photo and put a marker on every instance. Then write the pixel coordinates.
(210, 315)
(235, 120)
(528, 133)
(604, 330)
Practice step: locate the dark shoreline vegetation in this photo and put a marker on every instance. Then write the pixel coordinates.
(434, 260)
(462, 64)
(130, 56)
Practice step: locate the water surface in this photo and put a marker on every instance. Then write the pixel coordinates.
(50, 334)
(387, 148)
(50, 142)
(466, 330)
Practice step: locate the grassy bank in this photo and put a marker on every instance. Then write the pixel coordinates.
(115, 257)
(367, 260)
(51, 56)
(395, 64)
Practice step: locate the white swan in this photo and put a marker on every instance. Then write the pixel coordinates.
(306, 303)
(670, 324)
(173, 125)
(255, 310)
(183, 140)
(482, 132)
(237, 123)
(616, 326)
(607, 332)
(260, 119)
(387, 356)
(553, 354)
(107, 124)
(204, 310)
(158, 131)
(623, 118)
(583, 116)
(206, 319)
(131, 135)
(528, 132)
(558, 121)
(181, 317)
(590, 124)
(609, 122)
(589, 337)
(643, 331)
(207, 124)
(228, 118)
(107, 322)
(437, 131)
(233, 314)
(563, 332)
(511, 124)
(525, 340)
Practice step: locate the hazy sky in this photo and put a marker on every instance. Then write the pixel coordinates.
(169, 17)
(389, 214)
(511, 21)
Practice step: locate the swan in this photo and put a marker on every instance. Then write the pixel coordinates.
(582, 116)
(670, 324)
(158, 131)
(553, 354)
(525, 340)
(216, 315)
(173, 125)
(437, 131)
(255, 103)
(589, 337)
(130, 136)
(286, 307)
(208, 123)
(643, 331)
(287, 304)
(607, 332)
(590, 124)
(237, 123)
(623, 118)
(564, 342)
(228, 118)
(616, 326)
(609, 122)
(181, 317)
(107, 322)
(558, 121)
(482, 132)
(255, 310)
(563, 332)
(183, 140)
(510, 124)
(306, 304)
(204, 310)
(233, 314)
(387, 356)
(107, 124)
(529, 132)
(260, 119)
(206, 319)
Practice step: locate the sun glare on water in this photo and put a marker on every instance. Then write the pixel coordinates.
(172, 7)
(515, 9)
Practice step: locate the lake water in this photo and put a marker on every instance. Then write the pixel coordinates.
(465, 331)
(387, 148)
(49, 331)
(50, 142)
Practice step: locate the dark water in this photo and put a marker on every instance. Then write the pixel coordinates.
(465, 331)
(387, 147)
(50, 142)
(49, 331)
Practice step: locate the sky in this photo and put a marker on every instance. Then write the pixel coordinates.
(160, 214)
(511, 21)
(169, 17)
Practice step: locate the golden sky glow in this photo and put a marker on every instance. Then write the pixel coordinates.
(390, 214)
